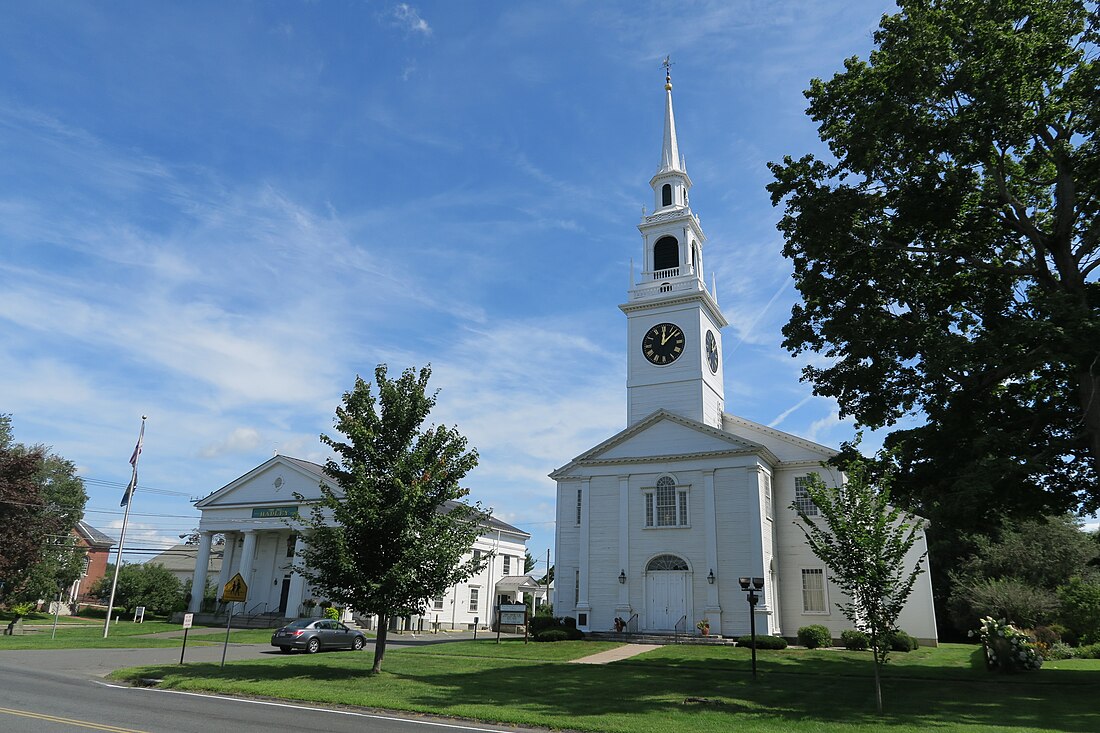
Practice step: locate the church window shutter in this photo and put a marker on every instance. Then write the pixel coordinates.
(767, 496)
(580, 495)
(649, 510)
(666, 254)
(666, 195)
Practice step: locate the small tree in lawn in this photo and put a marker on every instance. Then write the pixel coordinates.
(391, 532)
(864, 541)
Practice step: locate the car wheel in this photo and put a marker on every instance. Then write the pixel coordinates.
(313, 646)
(285, 650)
(359, 643)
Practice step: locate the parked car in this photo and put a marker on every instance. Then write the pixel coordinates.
(315, 634)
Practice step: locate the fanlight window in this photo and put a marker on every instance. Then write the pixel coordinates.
(666, 562)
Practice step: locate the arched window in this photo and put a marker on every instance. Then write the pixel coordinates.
(666, 562)
(666, 195)
(666, 254)
(666, 504)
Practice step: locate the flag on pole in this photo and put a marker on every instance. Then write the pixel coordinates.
(133, 462)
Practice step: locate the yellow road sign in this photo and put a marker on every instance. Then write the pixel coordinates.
(235, 590)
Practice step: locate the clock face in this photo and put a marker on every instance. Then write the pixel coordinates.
(663, 343)
(712, 351)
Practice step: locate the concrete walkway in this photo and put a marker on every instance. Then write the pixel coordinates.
(613, 655)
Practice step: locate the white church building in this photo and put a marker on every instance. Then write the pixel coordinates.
(258, 513)
(656, 524)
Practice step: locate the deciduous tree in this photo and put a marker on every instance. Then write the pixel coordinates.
(391, 529)
(947, 252)
(864, 542)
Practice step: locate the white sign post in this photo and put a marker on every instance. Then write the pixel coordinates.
(188, 619)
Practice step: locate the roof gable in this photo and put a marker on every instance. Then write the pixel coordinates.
(275, 480)
(788, 448)
(664, 435)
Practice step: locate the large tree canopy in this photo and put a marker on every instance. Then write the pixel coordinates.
(947, 253)
(392, 531)
(41, 500)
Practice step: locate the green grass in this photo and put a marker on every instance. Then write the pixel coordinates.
(126, 634)
(797, 692)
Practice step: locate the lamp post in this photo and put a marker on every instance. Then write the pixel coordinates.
(751, 586)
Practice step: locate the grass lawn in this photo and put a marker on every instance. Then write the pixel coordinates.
(944, 689)
(124, 634)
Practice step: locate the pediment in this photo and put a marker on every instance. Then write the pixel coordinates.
(662, 436)
(275, 481)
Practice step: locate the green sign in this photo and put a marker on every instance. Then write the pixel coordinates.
(274, 511)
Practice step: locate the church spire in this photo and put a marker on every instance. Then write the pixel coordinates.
(670, 150)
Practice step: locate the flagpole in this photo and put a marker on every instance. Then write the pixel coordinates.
(130, 489)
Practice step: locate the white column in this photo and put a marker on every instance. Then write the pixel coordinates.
(202, 562)
(229, 549)
(583, 605)
(248, 556)
(297, 582)
(714, 608)
(622, 610)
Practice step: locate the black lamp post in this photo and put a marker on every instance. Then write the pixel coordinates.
(751, 586)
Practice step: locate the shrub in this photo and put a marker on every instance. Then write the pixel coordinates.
(900, 641)
(1067, 635)
(332, 613)
(552, 635)
(1060, 650)
(1006, 598)
(763, 642)
(1045, 637)
(814, 636)
(1081, 607)
(855, 641)
(1007, 648)
(567, 625)
(1092, 651)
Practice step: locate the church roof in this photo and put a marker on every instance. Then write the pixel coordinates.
(92, 536)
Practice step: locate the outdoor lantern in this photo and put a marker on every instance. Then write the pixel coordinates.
(710, 576)
(745, 583)
(622, 577)
(758, 583)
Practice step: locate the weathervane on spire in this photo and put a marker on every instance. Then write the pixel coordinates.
(667, 63)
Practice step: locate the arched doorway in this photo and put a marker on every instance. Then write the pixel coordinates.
(667, 597)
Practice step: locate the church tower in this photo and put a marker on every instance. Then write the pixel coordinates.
(674, 324)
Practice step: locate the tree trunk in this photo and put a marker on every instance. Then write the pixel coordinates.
(1089, 391)
(380, 642)
(878, 682)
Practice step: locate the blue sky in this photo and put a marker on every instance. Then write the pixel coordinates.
(217, 214)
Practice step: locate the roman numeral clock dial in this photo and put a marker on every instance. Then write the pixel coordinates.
(663, 343)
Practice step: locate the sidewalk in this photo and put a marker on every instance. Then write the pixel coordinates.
(613, 655)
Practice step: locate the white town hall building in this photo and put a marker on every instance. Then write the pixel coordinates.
(259, 514)
(656, 524)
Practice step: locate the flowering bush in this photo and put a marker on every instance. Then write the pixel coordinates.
(1006, 647)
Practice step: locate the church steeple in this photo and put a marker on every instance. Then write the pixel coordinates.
(670, 150)
(673, 320)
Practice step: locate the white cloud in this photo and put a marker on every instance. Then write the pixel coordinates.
(241, 440)
(411, 20)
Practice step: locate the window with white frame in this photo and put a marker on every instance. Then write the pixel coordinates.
(580, 493)
(477, 555)
(813, 591)
(437, 603)
(666, 505)
(802, 500)
(768, 496)
(474, 592)
(87, 564)
(576, 588)
(507, 565)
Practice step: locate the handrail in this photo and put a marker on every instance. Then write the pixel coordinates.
(681, 624)
(632, 624)
(250, 612)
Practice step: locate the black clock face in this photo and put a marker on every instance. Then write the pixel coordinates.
(663, 343)
(712, 351)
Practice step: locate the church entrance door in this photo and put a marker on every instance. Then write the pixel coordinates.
(666, 599)
(666, 592)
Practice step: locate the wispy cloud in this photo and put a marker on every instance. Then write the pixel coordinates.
(409, 17)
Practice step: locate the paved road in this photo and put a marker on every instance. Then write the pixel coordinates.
(62, 691)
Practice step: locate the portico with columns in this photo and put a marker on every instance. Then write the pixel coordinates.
(258, 516)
